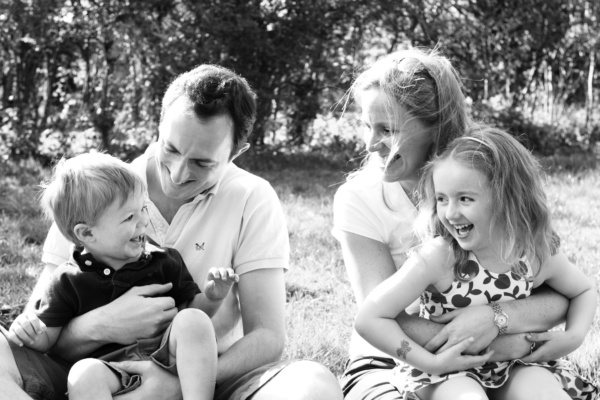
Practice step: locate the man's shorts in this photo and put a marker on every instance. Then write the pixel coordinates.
(44, 376)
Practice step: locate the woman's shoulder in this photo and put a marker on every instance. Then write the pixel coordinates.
(361, 185)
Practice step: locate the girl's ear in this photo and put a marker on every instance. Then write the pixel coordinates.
(84, 233)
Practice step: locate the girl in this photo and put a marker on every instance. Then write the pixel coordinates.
(490, 240)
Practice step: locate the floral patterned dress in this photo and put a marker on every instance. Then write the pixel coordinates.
(483, 288)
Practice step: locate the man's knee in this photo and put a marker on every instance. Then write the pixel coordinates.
(302, 380)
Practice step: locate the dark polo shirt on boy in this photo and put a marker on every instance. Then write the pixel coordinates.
(83, 284)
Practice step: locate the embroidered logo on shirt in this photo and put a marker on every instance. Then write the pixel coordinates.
(199, 246)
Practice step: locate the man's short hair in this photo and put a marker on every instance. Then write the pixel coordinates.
(212, 91)
(83, 187)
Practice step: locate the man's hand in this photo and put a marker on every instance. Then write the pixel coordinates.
(219, 282)
(550, 346)
(139, 313)
(157, 383)
(476, 322)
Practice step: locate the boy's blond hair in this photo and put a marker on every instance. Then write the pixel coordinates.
(83, 187)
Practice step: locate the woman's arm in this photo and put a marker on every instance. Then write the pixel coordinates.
(560, 274)
(541, 311)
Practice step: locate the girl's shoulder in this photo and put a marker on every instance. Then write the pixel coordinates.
(436, 253)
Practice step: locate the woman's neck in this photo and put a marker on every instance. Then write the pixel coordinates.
(410, 188)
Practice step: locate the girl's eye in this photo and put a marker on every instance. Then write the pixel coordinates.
(129, 218)
(466, 199)
(439, 199)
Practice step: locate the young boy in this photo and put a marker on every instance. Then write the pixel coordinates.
(98, 202)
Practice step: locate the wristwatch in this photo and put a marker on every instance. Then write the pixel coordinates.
(500, 318)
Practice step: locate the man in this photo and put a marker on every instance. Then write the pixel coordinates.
(216, 215)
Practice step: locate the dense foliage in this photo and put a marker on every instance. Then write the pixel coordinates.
(77, 74)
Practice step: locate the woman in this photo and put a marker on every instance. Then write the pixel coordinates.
(412, 106)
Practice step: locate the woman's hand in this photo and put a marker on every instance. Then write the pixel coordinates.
(548, 346)
(454, 359)
(157, 383)
(476, 322)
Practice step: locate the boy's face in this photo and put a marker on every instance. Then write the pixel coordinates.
(117, 237)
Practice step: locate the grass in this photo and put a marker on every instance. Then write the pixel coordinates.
(320, 304)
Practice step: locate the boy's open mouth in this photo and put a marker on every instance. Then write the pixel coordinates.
(137, 239)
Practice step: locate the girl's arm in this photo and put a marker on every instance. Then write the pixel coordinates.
(368, 262)
(564, 277)
(376, 323)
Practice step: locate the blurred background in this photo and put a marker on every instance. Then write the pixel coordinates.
(81, 74)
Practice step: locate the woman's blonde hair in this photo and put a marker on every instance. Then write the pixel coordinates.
(426, 85)
(520, 207)
(83, 187)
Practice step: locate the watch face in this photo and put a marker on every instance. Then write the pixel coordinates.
(501, 320)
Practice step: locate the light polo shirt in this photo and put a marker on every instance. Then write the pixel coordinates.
(237, 224)
(369, 207)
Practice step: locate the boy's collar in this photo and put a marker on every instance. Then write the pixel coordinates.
(88, 263)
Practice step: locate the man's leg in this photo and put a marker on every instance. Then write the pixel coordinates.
(10, 379)
(301, 380)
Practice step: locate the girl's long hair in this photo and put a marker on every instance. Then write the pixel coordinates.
(520, 207)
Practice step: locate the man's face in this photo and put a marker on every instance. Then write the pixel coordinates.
(193, 153)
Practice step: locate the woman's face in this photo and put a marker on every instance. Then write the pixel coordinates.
(398, 142)
(193, 153)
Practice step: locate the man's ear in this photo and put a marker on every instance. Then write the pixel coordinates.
(84, 233)
(241, 151)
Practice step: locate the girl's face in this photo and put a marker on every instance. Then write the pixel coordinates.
(398, 142)
(464, 205)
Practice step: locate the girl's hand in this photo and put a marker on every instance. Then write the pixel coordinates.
(548, 346)
(453, 359)
(26, 329)
(219, 282)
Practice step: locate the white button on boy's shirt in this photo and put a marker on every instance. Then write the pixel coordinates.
(106, 271)
(88, 263)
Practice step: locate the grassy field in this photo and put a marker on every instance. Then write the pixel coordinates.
(320, 306)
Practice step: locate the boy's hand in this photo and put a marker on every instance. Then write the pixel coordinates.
(26, 329)
(218, 283)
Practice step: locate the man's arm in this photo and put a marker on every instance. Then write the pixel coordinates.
(136, 314)
(262, 303)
